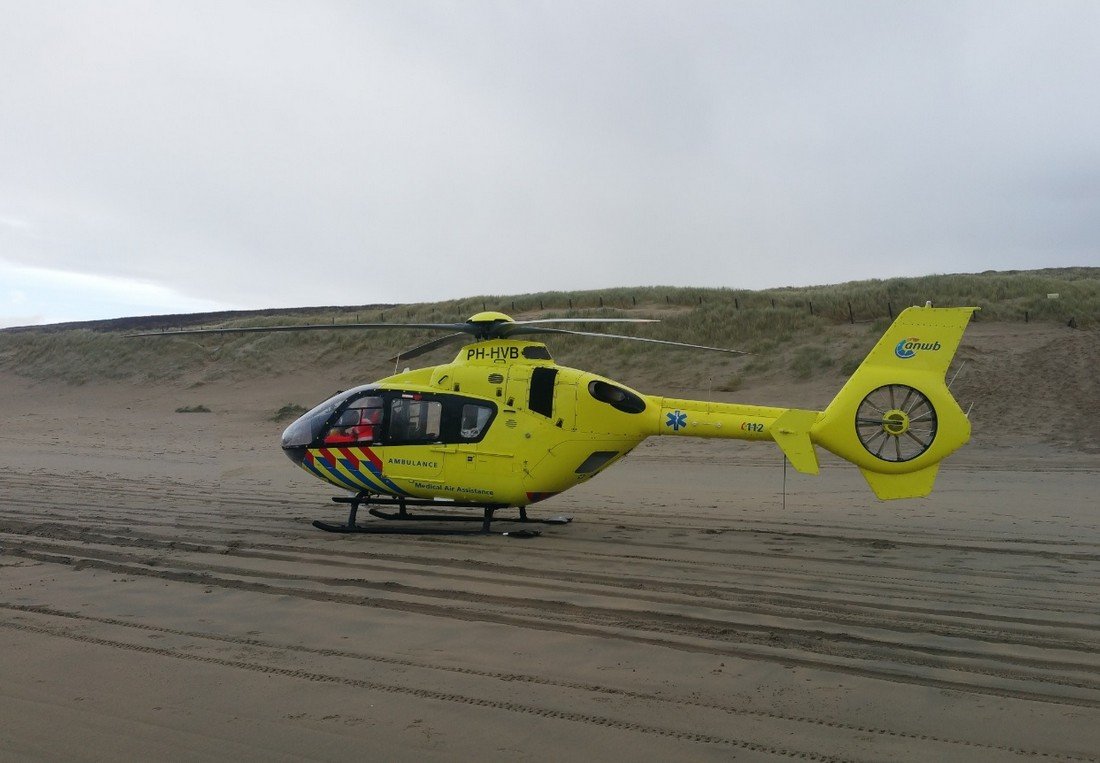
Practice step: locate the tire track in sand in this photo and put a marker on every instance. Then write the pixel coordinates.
(615, 623)
(534, 679)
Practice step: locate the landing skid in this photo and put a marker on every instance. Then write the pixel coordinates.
(403, 515)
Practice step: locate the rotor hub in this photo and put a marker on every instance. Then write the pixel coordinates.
(490, 317)
(895, 422)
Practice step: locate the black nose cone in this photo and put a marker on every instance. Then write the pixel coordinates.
(295, 453)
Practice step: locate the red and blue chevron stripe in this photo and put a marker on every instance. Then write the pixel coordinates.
(354, 468)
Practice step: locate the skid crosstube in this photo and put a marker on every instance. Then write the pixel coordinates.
(403, 515)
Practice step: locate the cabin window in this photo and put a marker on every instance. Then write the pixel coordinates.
(369, 416)
(536, 352)
(541, 399)
(474, 419)
(414, 420)
(617, 397)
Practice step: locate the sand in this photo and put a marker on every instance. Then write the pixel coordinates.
(163, 596)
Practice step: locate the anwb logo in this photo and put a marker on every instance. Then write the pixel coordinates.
(907, 348)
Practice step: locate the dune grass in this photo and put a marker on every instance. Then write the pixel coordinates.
(790, 330)
(288, 412)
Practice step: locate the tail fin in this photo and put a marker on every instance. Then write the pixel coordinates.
(895, 418)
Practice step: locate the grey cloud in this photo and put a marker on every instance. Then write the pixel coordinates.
(260, 154)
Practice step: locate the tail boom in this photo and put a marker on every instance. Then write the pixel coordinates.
(788, 427)
(894, 418)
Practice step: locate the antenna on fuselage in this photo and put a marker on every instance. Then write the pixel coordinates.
(784, 485)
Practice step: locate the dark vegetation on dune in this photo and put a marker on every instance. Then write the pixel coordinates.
(793, 333)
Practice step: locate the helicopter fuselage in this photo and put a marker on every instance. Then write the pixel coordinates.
(501, 424)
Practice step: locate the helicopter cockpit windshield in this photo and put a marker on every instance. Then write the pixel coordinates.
(307, 429)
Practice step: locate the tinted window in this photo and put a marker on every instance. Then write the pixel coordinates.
(367, 415)
(474, 420)
(541, 399)
(414, 420)
(360, 422)
(308, 429)
(617, 397)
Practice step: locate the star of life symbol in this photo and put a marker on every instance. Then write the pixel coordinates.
(676, 420)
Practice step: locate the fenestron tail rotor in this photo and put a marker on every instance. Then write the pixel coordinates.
(896, 423)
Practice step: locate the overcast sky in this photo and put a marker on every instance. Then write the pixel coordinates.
(165, 156)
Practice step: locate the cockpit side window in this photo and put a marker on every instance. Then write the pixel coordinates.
(311, 428)
(360, 422)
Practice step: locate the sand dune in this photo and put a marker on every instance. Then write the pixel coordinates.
(162, 595)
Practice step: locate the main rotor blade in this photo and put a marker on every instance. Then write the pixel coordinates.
(419, 350)
(505, 330)
(481, 330)
(540, 330)
(587, 320)
(500, 328)
(309, 327)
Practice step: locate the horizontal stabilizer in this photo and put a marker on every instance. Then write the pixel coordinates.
(791, 433)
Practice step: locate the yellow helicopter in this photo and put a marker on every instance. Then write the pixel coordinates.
(503, 425)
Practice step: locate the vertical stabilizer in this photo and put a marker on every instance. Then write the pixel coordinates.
(895, 418)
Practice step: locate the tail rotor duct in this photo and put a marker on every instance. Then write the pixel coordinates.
(896, 423)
